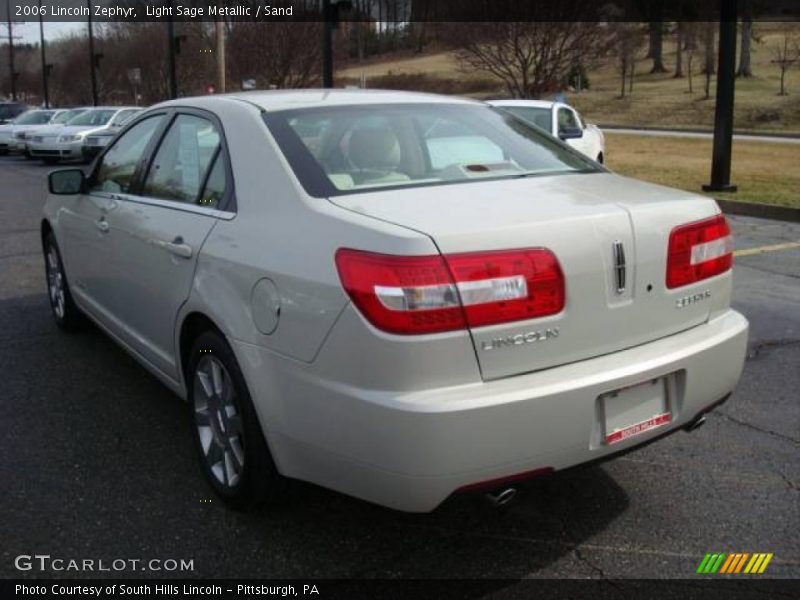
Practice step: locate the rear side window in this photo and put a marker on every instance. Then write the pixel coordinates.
(117, 168)
(184, 160)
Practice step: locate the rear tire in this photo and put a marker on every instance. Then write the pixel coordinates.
(66, 314)
(230, 443)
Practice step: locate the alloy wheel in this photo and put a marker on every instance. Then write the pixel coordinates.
(218, 421)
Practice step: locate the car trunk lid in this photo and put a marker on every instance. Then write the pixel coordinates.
(610, 235)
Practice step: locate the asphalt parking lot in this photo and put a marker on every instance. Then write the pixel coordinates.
(96, 460)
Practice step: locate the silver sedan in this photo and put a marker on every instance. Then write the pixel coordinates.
(397, 296)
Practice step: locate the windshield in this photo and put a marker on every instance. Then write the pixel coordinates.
(541, 117)
(34, 117)
(96, 118)
(67, 115)
(342, 150)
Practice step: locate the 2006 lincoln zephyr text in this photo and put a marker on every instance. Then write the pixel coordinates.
(397, 296)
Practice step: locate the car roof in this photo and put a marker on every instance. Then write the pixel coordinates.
(531, 103)
(274, 100)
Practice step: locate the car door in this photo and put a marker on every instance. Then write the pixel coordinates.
(163, 226)
(86, 221)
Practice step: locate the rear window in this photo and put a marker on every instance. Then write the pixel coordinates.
(342, 150)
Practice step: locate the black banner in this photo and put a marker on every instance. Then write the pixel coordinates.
(394, 11)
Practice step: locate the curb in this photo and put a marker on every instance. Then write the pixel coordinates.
(745, 133)
(762, 211)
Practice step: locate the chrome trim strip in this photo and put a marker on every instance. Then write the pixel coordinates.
(184, 207)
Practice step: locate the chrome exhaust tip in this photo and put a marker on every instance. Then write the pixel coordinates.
(696, 424)
(502, 497)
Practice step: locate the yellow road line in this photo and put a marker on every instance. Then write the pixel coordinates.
(763, 249)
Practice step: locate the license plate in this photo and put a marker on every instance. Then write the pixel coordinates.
(634, 410)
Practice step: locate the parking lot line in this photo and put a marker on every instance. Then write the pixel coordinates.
(763, 249)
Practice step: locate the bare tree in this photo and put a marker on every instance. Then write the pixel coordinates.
(679, 43)
(709, 44)
(532, 57)
(744, 69)
(628, 39)
(656, 52)
(785, 55)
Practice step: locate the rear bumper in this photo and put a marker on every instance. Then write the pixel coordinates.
(410, 451)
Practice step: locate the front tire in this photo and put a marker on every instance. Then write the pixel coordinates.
(66, 314)
(227, 433)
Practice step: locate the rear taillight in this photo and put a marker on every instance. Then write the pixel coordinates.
(698, 251)
(428, 294)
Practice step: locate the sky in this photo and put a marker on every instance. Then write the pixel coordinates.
(29, 31)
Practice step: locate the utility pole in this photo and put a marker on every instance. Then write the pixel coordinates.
(327, 44)
(92, 57)
(173, 78)
(45, 94)
(220, 25)
(723, 112)
(11, 74)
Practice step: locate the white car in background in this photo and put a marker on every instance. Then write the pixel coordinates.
(559, 120)
(9, 140)
(99, 139)
(67, 142)
(61, 117)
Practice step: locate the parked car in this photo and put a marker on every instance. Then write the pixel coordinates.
(36, 121)
(60, 117)
(11, 110)
(10, 140)
(67, 142)
(561, 121)
(397, 296)
(99, 139)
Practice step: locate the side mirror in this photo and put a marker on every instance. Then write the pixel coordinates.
(66, 182)
(570, 133)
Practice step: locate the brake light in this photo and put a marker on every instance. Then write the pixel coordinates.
(698, 251)
(428, 294)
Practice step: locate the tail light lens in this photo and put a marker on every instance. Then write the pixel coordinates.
(428, 294)
(698, 251)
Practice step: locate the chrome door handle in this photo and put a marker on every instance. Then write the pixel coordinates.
(179, 249)
(176, 247)
(102, 225)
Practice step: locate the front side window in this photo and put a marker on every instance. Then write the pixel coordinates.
(341, 150)
(115, 173)
(567, 120)
(183, 159)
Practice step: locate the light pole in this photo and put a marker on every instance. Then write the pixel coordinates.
(723, 112)
(45, 94)
(11, 74)
(92, 57)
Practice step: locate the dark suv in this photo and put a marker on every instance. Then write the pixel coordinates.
(10, 110)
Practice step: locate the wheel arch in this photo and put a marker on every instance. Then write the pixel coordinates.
(193, 324)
